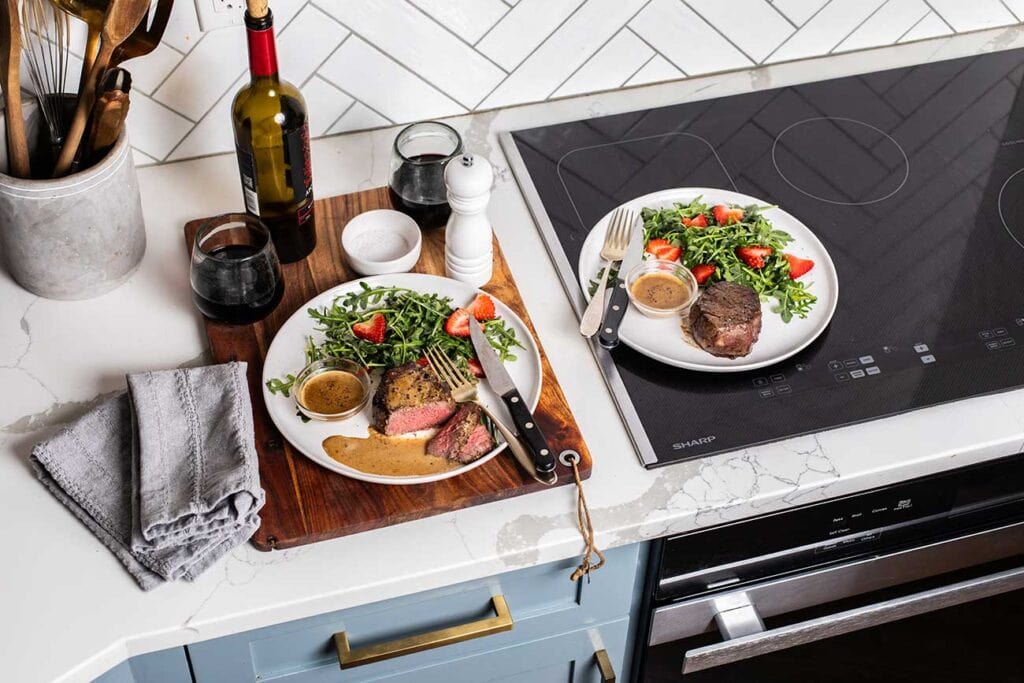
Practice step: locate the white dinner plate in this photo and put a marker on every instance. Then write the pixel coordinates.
(662, 339)
(286, 355)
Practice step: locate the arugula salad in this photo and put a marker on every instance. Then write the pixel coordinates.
(728, 242)
(385, 327)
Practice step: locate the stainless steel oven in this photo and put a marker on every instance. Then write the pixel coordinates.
(920, 581)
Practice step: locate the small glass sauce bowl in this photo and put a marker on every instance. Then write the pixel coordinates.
(671, 268)
(320, 367)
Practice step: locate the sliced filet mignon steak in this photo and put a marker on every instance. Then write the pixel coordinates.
(465, 438)
(726, 319)
(410, 398)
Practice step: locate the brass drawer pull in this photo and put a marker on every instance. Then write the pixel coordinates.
(604, 665)
(348, 657)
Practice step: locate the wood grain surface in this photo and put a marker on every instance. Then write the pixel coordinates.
(307, 503)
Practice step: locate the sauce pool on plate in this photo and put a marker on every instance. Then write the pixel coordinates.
(332, 392)
(395, 456)
(661, 290)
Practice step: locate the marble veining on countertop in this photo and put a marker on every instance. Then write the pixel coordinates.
(71, 612)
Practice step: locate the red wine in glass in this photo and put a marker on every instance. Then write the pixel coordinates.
(420, 154)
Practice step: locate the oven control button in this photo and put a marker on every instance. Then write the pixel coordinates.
(856, 374)
(921, 348)
(766, 393)
(999, 332)
(783, 389)
(866, 360)
(992, 345)
(874, 370)
(842, 377)
(1007, 342)
(835, 365)
(760, 381)
(928, 359)
(985, 334)
(778, 377)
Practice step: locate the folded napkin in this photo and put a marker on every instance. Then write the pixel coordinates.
(165, 475)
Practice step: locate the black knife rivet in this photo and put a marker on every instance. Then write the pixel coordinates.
(622, 285)
(515, 399)
(528, 425)
(608, 330)
(544, 451)
(615, 307)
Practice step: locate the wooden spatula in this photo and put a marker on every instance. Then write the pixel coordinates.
(122, 17)
(10, 75)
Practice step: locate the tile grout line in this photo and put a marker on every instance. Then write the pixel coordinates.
(534, 50)
(359, 101)
(455, 35)
(419, 76)
(783, 15)
(639, 69)
(342, 114)
(795, 33)
(508, 11)
(939, 15)
(726, 38)
(1009, 9)
(915, 25)
(857, 27)
(657, 52)
(599, 48)
(316, 71)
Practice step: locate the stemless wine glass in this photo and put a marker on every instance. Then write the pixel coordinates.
(235, 274)
(420, 153)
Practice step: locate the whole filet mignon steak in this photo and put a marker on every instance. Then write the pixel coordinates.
(726, 319)
(465, 438)
(410, 398)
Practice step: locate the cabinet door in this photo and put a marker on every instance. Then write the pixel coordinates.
(166, 666)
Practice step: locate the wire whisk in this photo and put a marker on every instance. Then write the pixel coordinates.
(46, 36)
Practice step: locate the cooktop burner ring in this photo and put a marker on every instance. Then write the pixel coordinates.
(999, 207)
(828, 200)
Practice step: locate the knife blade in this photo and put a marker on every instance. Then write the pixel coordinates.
(618, 302)
(499, 380)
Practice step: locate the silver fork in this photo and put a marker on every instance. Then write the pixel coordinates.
(616, 239)
(463, 388)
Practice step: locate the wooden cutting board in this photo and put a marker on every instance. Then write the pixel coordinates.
(307, 503)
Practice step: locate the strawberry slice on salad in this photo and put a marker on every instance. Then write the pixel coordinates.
(475, 367)
(371, 330)
(457, 324)
(482, 308)
(798, 267)
(698, 221)
(702, 272)
(664, 250)
(753, 255)
(725, 215)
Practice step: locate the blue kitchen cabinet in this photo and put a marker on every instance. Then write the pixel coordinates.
(166, 666)
(557, 627)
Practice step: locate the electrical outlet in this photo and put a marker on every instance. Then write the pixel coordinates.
(215, 14)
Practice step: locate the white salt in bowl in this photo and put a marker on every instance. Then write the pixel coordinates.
(381, 241)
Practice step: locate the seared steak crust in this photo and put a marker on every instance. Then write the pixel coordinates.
(410, 398)
(726, 319)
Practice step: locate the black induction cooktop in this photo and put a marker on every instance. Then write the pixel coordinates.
(912, 178)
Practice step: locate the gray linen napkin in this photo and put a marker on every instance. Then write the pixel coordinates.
(164, 475)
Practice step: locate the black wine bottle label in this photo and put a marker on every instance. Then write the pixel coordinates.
(247, 169)
(300, 167)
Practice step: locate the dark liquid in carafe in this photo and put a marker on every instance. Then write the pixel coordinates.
(417, 190)
(265, 288)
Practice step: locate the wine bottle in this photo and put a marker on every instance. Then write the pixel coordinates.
(272, 142)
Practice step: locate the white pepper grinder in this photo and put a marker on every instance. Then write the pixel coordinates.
(468, 254)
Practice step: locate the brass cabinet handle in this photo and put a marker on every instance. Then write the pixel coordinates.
(604, 665)
(349, 657)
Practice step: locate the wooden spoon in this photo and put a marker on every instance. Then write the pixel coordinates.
(122, 17)
(10, 75)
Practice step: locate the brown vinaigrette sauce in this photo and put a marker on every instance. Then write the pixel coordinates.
(660, 290)
(332, 392)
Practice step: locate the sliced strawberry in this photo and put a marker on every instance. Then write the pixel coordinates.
(702, 272)
(664, 250)
(422, 361)
(457, 324)
(371, 330)
(753, 255)
(475, 367)
(798, 266)
(725, 215)
(698, 221)
(482, 308)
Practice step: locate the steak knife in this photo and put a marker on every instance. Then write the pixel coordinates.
(499, 379)
(618, 302)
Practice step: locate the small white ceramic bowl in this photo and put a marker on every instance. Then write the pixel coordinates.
(382, 241)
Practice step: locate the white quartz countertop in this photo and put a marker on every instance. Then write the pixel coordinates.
(69, 610)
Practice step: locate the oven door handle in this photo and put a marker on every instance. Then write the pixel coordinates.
(772, 640)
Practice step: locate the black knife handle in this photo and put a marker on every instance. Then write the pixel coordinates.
(618, 302)
(529, 432)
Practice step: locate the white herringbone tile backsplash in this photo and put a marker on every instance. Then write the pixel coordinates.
(370, 63)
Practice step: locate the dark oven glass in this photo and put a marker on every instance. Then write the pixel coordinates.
(975, 642)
